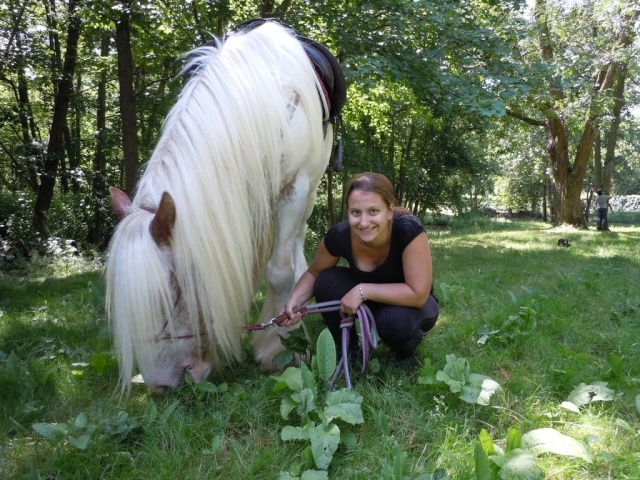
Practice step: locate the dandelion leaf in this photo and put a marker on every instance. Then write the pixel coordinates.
(324, 442)
(517, 464)
(345, 405)
(325, 355)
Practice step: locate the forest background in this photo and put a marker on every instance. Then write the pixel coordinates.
(507, 105)
(468, 106)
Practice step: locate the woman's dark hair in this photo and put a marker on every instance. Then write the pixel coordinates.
(375, 183)
(599, 191)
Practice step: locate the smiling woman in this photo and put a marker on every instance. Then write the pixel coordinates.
(390, 269)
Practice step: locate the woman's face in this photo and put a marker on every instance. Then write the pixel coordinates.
(369, 216)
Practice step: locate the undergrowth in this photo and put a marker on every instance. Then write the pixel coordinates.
(549, 332)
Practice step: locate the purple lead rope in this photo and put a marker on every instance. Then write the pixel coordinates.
(305, 310)
(368, 333)
(369, 339)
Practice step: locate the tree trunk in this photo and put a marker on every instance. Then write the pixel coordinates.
(56, 133)
(54, 42)
(545, 195)
(96, 233)
(569, 176)
(558, 149)
(404, 161)
(27, 124)
(268, 8)
(204, 37)
(75, 150)
(16, 18)
(391, 150)
(597, 161)
(127, 99)
(612, 136)
(62, 164)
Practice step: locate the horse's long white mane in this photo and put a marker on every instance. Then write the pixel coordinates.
(225, 155)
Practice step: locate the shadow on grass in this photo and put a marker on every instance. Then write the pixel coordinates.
(50, 327)
(623, 218)
(41, 317)
(18, 293)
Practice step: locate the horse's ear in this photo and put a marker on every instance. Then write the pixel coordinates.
(120, 202)
(162, 224)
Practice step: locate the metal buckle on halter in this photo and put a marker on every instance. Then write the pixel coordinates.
(164, 335)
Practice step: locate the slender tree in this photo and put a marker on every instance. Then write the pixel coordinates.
(100, 158)
(16, 26)
(127, 97)
(55, 146)
(605, 181)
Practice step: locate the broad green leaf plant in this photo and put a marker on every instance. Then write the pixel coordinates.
(471, 387)
(81, 432)
(521, 324)
(322, 416)
(518, 461)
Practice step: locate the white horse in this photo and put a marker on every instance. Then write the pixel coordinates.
(225, 196)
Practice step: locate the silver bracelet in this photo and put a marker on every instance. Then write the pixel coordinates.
(364, 299)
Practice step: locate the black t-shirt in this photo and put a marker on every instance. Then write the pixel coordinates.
(405, 229)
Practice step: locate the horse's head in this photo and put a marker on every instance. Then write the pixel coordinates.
(153, 325)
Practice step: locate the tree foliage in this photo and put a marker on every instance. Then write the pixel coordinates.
(428, 83)
(574, 54)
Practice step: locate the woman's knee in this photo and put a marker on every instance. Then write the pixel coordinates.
(431, 312)
(395, 324)
(398, 324)
(333, 283)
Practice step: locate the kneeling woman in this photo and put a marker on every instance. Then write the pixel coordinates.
(390, 268)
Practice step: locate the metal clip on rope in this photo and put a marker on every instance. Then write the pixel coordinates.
(305, 310)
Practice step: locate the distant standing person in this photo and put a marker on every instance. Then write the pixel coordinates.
(390, 268)
(602, 206)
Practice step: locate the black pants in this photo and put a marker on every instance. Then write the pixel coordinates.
(401, 328)
(601, 221)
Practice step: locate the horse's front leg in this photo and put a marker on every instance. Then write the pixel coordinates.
(286, 265)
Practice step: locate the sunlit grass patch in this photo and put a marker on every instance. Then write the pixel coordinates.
(538, 319)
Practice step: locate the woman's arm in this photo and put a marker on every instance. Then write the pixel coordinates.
(303, 290)
(414, 292)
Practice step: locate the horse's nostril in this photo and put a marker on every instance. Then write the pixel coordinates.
(198, 370)
(162, 389)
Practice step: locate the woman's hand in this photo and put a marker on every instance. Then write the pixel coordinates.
(291, 317)
(350, 302)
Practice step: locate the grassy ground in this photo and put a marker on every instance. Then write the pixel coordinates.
(557, 318)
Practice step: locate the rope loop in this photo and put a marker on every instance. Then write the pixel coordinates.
(368, 338)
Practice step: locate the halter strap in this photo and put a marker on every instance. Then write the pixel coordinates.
(168, 336)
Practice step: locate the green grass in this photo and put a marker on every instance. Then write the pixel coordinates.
(586, 301)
